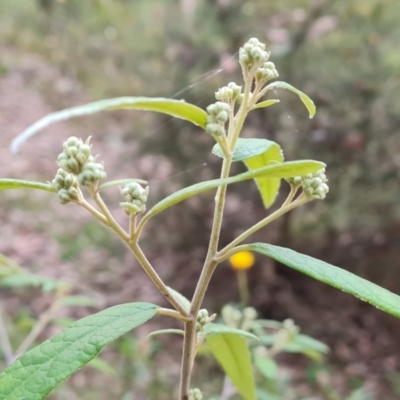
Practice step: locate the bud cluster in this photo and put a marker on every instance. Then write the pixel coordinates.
(228, 93)
(66, 185)
(218, 115)
(135, 196)
(92, 172)
(77, 166)
(314, 185)
(238, 319)
(267, 72)
(75, 155)
(253, 53)
(291, 328)
(203, 319)
(195, 394)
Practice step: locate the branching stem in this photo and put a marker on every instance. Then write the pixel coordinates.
(222, 255)
(172, 313)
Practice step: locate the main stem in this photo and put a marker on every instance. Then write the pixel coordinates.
(205, 277)
(235, 127)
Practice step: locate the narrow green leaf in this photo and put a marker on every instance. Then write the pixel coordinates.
(182, 300)
(8, 267)
(266, 365)
(40, 370)
(102, 366)
(25, 279)
(233, 355)
(21, 184)
(266, 103)
(281, 170)
(176, 108)
(308, 343)
(303, 97)
(121, 182)
(267, 395)
(77, 301)
(163, 331)
(212, 328)
(334, 276)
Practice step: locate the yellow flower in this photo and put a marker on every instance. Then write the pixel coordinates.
(242, 260)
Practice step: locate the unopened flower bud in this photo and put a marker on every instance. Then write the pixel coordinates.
(195, 394)
(218, 114)
(231, 316)
(66, 185)
(253, 52)
(135, 196)
(314, 185)
(267, 72)
(75, 155)
(91, 173)
(250, 313)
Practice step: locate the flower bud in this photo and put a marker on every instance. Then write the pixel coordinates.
(91, 173)
(195, 394)
(75, 155)
(253, 52)
(250, 313)
(231, 316)
(267, 72)
(218, 115)
(66, 185)
(314, 185)
(135, 196)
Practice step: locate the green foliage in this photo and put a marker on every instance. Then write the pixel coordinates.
(38, 371)
(334, 276)
(281, 170)
(35, 373)
(212, 329)
(304, 98)
(258, 153)
(266, 103)
(21, 184)
(176, 108)
(232, 353)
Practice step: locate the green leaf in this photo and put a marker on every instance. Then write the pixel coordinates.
(266, 103)
(257, 153)
(176, 108)
(77, 301)
(334, 276)
(308, 343)
(121, 182)
(182, 300)
(21, 184)
(298, 344)
(303, 97)
(248, 148)
(163, 331)
(8, 267)
(268, 187)
(233, 355)
(266, 365)
(102, 366)
(212, 328)
(281, 170)
(25, 279)
(40, 370)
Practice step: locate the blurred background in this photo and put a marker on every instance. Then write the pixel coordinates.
(343, 53)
